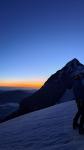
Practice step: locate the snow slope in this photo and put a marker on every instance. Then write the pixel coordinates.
(47, 129)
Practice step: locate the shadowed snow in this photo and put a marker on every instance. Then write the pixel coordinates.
(47, 129)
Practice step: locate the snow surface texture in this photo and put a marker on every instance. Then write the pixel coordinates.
(47, 129)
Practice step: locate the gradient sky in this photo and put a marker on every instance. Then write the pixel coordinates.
(38, 37)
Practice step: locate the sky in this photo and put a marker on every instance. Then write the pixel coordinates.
(38, 37)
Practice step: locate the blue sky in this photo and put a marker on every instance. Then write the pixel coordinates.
(37, 37)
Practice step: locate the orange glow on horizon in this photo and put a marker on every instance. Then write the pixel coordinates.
(22, 84)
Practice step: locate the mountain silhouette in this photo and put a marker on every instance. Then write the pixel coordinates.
(52, 90)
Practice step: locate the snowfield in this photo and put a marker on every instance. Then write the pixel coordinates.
(47, 129)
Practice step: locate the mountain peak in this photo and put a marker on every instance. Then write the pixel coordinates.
(73, 67)
(74, 62)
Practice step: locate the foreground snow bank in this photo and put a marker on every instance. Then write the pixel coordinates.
(47, 129)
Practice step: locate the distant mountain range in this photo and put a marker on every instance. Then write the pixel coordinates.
(10, 100)
(14, 96)
(52, 91)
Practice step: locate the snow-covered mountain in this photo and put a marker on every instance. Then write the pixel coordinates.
(52, 92)
(47, 129)
(53, 89)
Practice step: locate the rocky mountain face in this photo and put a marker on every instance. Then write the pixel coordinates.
(53, 89)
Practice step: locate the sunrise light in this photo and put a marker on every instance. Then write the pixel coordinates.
(22, 84)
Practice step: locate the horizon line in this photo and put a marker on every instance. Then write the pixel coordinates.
(22, 84)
